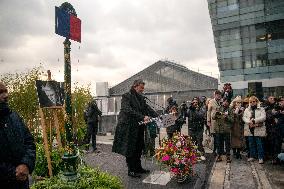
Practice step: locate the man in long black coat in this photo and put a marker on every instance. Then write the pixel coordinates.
(17, 148)
(129, 135)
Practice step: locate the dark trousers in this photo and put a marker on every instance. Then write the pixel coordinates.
(221, 139)
(197, 136)
(215, 145)
(92, 131)
(134, 161)
(15, 184)
(255, 147)
(273, 142)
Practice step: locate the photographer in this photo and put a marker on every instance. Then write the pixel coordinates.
(273, 138)
(196, 123)
(213, 106)
(224, 118)
(237, 133)
(276, 142)
(183, 110)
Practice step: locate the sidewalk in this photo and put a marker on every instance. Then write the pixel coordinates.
(243, 174)
(159, 178)
(235, 175)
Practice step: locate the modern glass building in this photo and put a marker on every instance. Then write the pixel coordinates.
(249, 41)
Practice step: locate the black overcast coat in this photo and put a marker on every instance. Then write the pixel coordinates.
(128, 132)
(17, 147)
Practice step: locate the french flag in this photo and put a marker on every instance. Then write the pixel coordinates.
(67, 25)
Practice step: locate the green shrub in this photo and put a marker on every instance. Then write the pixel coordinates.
(41, 161)
(89, 178)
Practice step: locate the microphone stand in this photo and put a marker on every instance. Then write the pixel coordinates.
(148, 100)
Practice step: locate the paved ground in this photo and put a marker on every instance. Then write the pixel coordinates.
(115, 164)
(210, 174)
(247, 175)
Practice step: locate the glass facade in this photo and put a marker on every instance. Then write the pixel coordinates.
(249, 40)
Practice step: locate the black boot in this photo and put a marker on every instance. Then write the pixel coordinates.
(131, 164)
(238, 154)
(235, 153)
(143, 171)
(139, 168)
(134, 174)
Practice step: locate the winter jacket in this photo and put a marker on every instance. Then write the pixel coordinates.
(196, 119)
(212, 107)
(17, 147)
(260, 116)
(223, 124)
(92, 112)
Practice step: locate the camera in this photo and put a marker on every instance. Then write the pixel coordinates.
(277, 107)
(218, 114)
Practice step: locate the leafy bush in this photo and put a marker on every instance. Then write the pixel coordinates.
(89, 178)
(23, 99)
(41, 168)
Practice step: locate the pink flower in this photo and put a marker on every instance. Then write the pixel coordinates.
(174, 170)
(166, 158)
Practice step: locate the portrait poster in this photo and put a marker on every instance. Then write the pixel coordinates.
(50, 93)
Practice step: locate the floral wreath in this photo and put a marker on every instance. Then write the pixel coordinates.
(179, 153)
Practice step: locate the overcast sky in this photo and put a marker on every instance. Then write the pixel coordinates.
(119, 37)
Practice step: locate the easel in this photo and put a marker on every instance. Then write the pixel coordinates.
(44, 132)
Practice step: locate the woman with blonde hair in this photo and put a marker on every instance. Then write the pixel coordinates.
(237, 133)
(254, 118)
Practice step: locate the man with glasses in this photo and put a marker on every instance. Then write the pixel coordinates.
(129, 135)
(213, 106)
(224, 119)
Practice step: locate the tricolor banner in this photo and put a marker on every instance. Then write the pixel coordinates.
(67, 25)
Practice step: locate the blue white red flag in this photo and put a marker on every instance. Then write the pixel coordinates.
(67, 25)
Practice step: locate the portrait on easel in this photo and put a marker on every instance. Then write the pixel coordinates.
(50, 93)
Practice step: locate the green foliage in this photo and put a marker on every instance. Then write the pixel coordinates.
(41, 168)
(22, 93)
(89, 178)
(80, 97)
(24, 100)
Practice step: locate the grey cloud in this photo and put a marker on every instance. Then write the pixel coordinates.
(115, 34)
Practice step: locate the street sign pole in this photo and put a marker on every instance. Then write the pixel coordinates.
(64, 14)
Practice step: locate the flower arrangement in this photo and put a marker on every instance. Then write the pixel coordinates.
(179, 153)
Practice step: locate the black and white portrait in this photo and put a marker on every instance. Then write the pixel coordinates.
(50, 93)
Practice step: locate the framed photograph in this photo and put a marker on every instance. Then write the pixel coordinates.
(50, 93)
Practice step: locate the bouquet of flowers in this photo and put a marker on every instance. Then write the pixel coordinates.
(179, 153)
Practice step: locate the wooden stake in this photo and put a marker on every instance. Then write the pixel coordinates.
(45, 140)
(56, 123)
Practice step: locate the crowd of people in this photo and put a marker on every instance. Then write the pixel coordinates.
(241, 125)
(238, 125)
